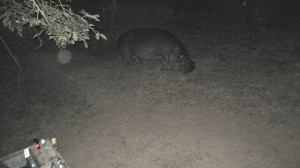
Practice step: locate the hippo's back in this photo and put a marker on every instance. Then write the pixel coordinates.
(148, 43)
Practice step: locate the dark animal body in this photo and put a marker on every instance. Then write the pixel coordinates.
(145, 44)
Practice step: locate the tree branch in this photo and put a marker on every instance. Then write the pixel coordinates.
(11, 54)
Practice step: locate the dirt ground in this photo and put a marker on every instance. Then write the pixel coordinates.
(240, 108)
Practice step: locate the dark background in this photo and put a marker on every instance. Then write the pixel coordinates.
(196, 13)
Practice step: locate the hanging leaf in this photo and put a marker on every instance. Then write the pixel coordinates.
(85, 44)
(103, 36)
(75, 37)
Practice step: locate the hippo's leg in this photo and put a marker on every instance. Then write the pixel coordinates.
(126, 55)
(136, 59)
(165, 65)
(125, 59)
(129, 59)
(168, 63)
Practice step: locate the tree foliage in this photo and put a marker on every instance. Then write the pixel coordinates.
(55, 19)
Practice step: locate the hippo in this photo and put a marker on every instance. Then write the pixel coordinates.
(145, 44)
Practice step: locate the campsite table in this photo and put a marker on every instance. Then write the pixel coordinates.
(45, 156)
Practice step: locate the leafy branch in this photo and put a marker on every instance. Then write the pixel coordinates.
(56, 20)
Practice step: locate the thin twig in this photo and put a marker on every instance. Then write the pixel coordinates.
(38, 36)
(42, 12)
(15, 59)
(62, 7)
(11, 54)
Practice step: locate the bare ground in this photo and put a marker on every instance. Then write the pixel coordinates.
(240, 108)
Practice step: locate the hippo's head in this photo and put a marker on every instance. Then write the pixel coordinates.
(181, 58)
(185, 64)
(178, 59)
(181, 63)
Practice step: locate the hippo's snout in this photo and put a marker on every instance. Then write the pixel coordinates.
(187, 65)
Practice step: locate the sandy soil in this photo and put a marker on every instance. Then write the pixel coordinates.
(238, 109)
